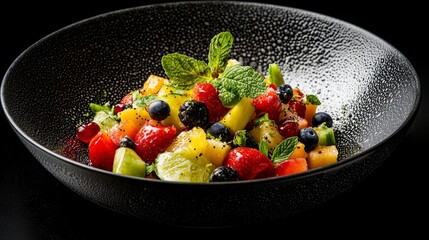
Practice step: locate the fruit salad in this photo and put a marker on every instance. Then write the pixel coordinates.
(211, 121)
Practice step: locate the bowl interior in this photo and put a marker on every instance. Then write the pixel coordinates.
(368, 87)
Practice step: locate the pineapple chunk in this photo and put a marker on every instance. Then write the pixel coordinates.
(153, 84)
(216, 151)
(139, 116)
(238, 117)
(322, 156)
(267, 131)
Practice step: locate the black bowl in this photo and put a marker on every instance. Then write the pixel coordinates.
(369, 88)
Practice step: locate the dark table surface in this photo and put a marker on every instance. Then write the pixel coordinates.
(34, 205)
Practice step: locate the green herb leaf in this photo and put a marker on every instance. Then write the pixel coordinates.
(240, 138)
(263, 147)
(185, 71)
(144, 100)
(149, 168)
(313, 99)
(220, 48)
(261, 120)
(97, 107)
(237, 82)
(284, 150)
(275, 75)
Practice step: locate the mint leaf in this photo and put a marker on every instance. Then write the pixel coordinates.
(149, 168)
(184, 71)
(220, 48)
(262, 119)
(97, 107)
(275, 75)
(240, 138)
(144, 101)
(263, 147)
(284, 150)
(237, 82)
(313, 99)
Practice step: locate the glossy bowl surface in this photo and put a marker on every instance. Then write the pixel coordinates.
(368, 86)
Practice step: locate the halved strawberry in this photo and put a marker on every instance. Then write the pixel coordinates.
(249, 163)
(127, 99)
(291, 166)
(152, 139)
(207, 93)
(102, 151)
(268, 103)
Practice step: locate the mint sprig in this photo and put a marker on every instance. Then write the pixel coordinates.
(313, 99)
(284, 150)
(237, 82)
(220, 48)
(185, 71)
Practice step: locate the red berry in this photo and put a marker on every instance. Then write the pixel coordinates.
(289, 128)
(291, 166)
(118, 108)
(268, 103)
(152, 139)
(86, 132)
(298, 106)
(249, 163)
(207, 93)
(102, 151)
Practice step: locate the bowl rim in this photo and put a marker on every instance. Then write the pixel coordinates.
(340, 164)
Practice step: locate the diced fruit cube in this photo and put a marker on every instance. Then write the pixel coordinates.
(216, 151)
(104, 120)
(139, 116)
(124, 128)
(268, 132)
(238, 116)
(101, 151)
(325, 134)
(268, 103)
(249, 163)
(310, 110)
(299, 151)
(291, 166)
(152, 139)
(127, 162)
(322, 156)
(153, 84)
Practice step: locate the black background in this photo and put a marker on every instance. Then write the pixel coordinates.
(34, 205)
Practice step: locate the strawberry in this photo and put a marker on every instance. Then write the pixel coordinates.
(298, 106)
(268, 103)
(249, 163)
(207, 93)
(152, 139)
(102, 151)
(291, 166)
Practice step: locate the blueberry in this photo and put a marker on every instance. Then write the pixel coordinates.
(127, 142)
(309, 138)
(285, 92)
(224, 174)
(320, 118)
(159, 110)
(219, 131)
